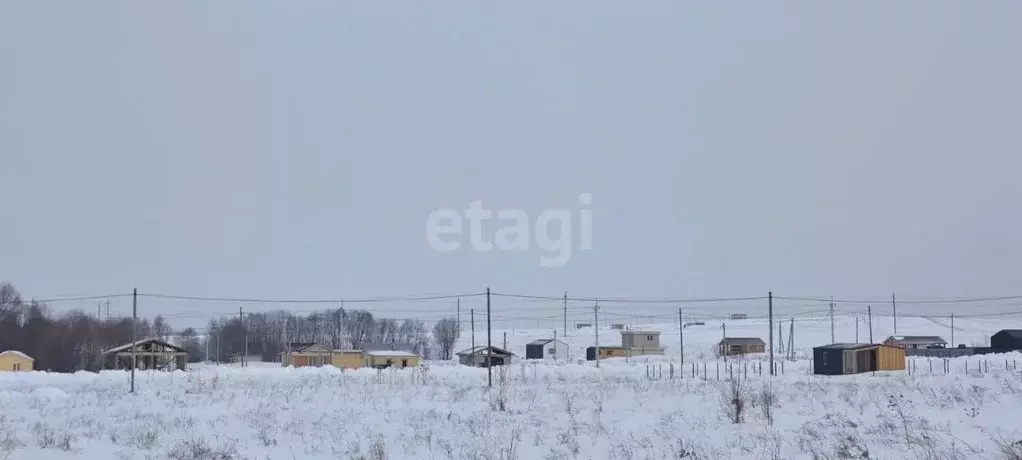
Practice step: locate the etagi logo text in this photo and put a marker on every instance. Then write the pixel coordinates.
(446, 226)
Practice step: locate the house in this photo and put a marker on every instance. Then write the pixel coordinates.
(478, 355)
(855, 358)
(303, 354)
(1007, 339)
(739, 316)
(915, 341)
(549, 349)
(641, 342)
(617, 326)
(347, 359)
(731, 346)
(606, 352)
(382, 359)
(15, 361)
(148, 354)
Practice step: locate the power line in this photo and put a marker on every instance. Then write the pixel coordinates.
(297, 301)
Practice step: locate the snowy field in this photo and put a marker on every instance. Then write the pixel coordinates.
(566, 410)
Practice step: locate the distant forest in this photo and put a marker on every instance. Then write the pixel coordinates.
(75, 340)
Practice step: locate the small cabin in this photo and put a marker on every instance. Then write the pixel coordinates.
(16, 361)
(732, 346)
(606, 352)
(547, 349)
(382, 359)
(483, 356)
(856, 358)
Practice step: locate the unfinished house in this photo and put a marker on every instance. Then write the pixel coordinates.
(732, 346)
(479, 356)
(148, 354)
(638, 343)
(307, 354)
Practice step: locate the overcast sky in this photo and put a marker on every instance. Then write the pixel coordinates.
(297, 149)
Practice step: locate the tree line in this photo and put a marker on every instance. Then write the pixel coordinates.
(75, 340)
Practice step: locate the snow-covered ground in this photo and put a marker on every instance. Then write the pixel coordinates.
(563, 410)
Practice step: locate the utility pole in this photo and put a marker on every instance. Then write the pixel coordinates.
(565, 313)
(952, 330)
(473, 313)
(134, 327)
(555, 346)
(108, 309)
(505, 340)
(770, 303)
(869, 312)
(723, 328)
(99, 312)
(832, 339)
(596, 321)
(244, 332)
(791, 341)
(489, 342)
(894, 306)
(856, 328)
(681, 332)
(459, 315)
(780, 337)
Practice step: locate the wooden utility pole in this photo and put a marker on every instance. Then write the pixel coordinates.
(505, 340)
(791, 341)
(565, 314)
(770, 303)
(473, 313)
(489, 342)
(244, 333)
(555, 346)
(832, 339)
(952, 330)
(780, 337)
(869, 313)
(681, 333)
(596, 321)
(134, 338)
(894, 306)
(459, 315)
(856, 328)
(725, 349)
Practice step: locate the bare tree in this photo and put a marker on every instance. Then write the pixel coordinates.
(360, 325)
(445, 333)
(161, 329)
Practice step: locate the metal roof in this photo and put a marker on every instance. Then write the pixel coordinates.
(482, 349)
(1017, 333)
(743, 340)
(847, 346)
(916, 339)
(544, 342)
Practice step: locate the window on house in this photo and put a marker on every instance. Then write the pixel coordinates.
(390, 362)
(824, 359)
(552, 351)
(404, 363)
(649, 338)
(17, 366)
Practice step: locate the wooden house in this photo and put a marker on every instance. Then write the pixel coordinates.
(347, 359)
(382, 359)
(731, 346)
(303, 354)
(916, 341)
(478, 356)
(855, 358)
(16, 361)
(547, 349)
(148, 354)
(606, 352)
